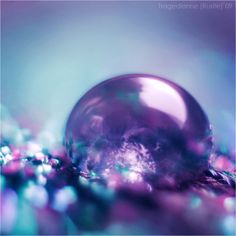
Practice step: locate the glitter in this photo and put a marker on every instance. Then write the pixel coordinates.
(7, 158)
(33, 148)
(37, 195)
(112, 183)
(102, 191)
(195, 202)
(229, 204)
(134, 177)
(5, 150)
(2, 182)
(92, 174)
(55, 162)
(47, 168)
(9, 202)
(25, 223)
(39, 169)
(96, 187)
(42, 180)
(5, 155)
(2, 160)
(33, 182)
(83, 181)
(213, 172)
(222, 162)
(39, 156)
(44, 169)
(228, 224)
(225, 178)
(64, 197)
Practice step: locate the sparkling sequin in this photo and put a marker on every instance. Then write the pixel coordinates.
(139, 128)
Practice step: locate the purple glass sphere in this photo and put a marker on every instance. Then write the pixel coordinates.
(139, 128)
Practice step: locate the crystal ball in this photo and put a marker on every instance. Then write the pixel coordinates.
(139, 128)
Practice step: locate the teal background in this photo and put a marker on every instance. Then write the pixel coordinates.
(53, 52)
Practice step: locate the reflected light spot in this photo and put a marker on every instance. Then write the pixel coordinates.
(163, 97)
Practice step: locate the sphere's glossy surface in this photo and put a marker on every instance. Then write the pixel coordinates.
(138, 128)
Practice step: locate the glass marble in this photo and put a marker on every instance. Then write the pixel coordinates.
(139, 128)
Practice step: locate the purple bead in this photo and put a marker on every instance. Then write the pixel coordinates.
(139, 128)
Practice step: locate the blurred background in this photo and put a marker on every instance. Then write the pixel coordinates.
(54, 51)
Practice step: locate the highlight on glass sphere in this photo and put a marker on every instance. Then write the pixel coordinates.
(139, 128)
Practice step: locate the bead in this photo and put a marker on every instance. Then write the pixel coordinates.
(139, 128)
